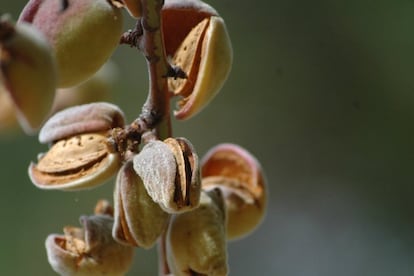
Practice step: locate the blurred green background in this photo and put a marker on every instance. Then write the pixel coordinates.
(322, 93)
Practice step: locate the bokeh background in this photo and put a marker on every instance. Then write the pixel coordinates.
(322, 93)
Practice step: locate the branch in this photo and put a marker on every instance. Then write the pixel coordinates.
(156, 110)
(155, 116)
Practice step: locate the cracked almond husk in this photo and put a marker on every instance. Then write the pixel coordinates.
(171, 174)
(188, 179)
(239, 175)
(88, 251)
(79, 162)
(200, 45)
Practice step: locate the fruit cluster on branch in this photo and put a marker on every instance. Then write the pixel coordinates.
(164, 193)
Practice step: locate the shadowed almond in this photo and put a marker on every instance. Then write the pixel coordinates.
(28, 72)
(196, 240)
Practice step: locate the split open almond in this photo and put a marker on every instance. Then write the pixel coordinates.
(75, 163)
(197, 40)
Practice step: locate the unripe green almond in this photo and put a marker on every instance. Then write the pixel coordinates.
(29, 74)
(83, 35)
(196, 240)
(139, 221)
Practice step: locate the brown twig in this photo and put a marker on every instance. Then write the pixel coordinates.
(156, 110)
(155, 116)
(147, 38)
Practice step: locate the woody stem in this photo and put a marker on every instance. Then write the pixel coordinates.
(157, 105)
